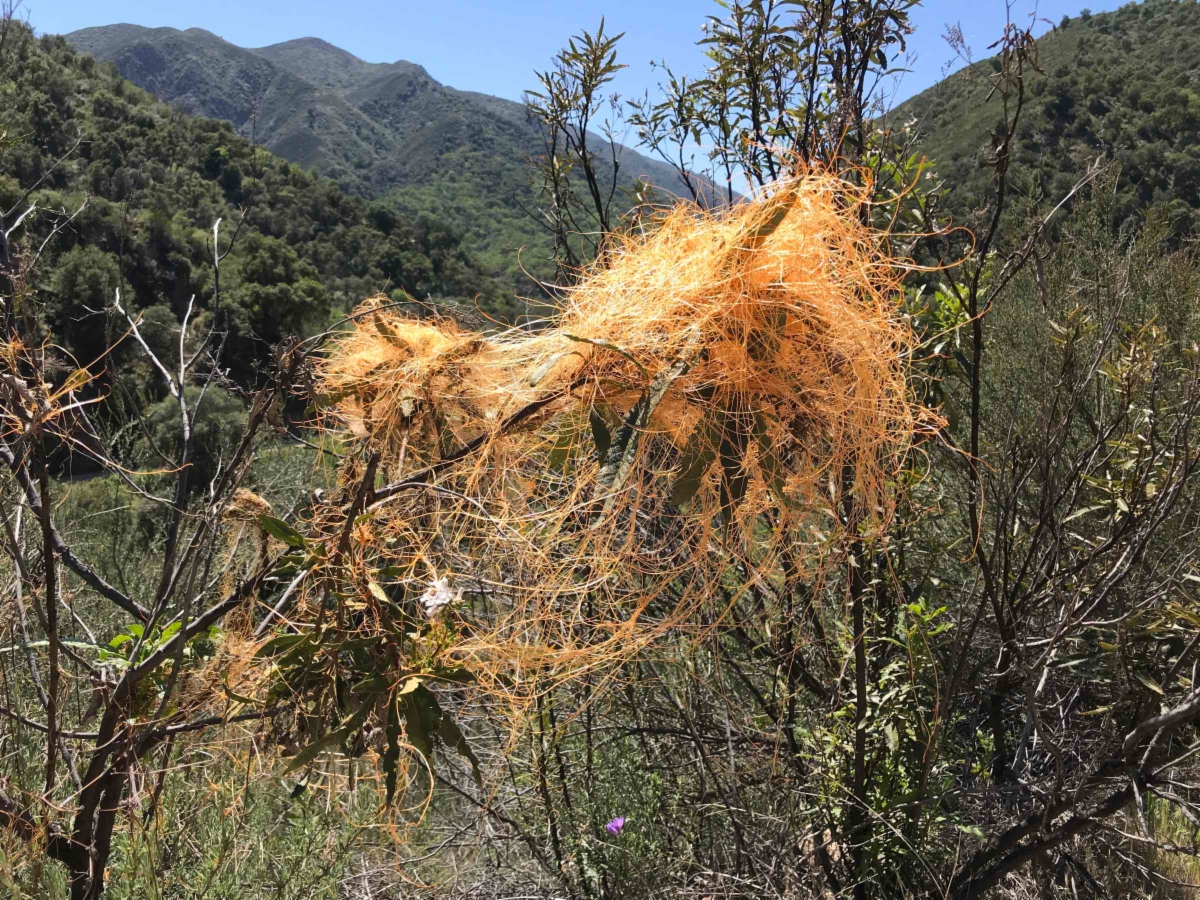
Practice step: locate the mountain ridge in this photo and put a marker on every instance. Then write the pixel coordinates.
(380, 130)
(292, 55)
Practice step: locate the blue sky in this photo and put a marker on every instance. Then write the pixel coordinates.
(494, 47)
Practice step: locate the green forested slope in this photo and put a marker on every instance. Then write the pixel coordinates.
(155, 180)
(1125, 85)
(380, 130)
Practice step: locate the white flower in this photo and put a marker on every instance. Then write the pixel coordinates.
(438, 596)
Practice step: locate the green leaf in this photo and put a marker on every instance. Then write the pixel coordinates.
(281, 530)
(1148, 682)
(236, 697)
(456, 675)
(768, 459)
(1082, 512)
(371, 688)
(733, 469)
(333, 738)
(279, 644)
(766, 341)
(563, 445)
(329, 400)
(453, 737)
(607, 345)
(619, 461)
(169, 632)
(391, 755)
(893, 739)
(697, 456)
(600, 433)
(309, 753)
(422, 716)
(764, 230)
(377, 592)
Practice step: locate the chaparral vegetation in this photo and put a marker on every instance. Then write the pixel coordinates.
(827, 530)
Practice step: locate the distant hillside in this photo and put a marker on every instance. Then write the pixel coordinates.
(379, 130)
(198, 72)
(1124, 84)
(154, 181)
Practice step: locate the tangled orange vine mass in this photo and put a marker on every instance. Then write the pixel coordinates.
(715, 406)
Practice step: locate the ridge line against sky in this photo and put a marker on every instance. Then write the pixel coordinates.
(495, 48)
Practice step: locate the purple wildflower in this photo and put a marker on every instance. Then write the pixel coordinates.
(614, 827)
